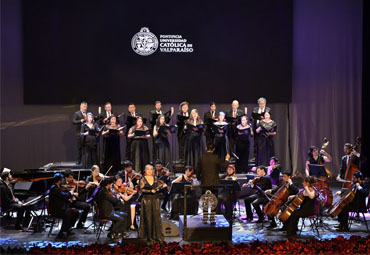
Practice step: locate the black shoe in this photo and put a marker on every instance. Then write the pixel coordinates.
(61, 235)
(281, 229)
(112, 236)
(260, 220)
(18, 227)
(247, 218)
(272, 226)
(164, 209)
(70, 233)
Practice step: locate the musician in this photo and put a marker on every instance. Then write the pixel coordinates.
(193, 142)
(260, 183)
(150, 216)
(163, 174)
(257, 115)
(129, 175)
(139, 145)
(306, 209)
(89, 135)
(243, 133)
(348, 151)
(161, 144)
(233, 114)
(80, 200)
(120, 191)
(358, 204)
(131, 118)
(178, 202)
(220, 130)
(181, 118)
(58, 206)
(209, 166)
(292, 190)
(103, 117)
(79, 117)
(10, 203)
(315, 158)
(230, 173)
(273, 170)
(111, 146)
(224, 197)
(93, 182)
(209, 118)
(266, 129)
(106, 204)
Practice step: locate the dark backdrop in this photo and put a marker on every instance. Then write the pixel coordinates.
(326, 91)
(81, 50)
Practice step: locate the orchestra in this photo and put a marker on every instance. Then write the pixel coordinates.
(135, 187)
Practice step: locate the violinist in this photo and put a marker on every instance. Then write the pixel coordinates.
(292, 190)
(107, 204)
(10, 203)
(79, 202)
(224, 196)
(128, 175)
(93, 181)
(316, 158)
(261, 183)
(163, 174)
(230, 173)
(125, 193)
(306, 209)
(178, 202)
(58, 206)
(273, 170)
(346, 160)
(358, 204)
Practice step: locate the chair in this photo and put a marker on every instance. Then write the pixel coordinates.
(102, 222)
(356, 216)
(53, 220)
(314, 224)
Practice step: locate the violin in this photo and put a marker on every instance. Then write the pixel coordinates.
(163, 171)
(134, 175)
(125, 188)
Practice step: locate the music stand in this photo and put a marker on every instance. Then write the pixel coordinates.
(235, 184)
(317, 170)
(178, 187)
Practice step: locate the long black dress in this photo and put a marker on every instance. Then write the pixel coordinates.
(139, 150)
(89, 147)
(150, 214)
(242, 148)
(193, 145)
(112, 150)
(265, 143)
(220, 131)
(162, 146)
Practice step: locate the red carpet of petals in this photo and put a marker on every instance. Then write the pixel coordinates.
(339, 245)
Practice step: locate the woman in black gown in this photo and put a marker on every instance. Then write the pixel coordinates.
(112, 152)
(265, 143)
(193, 147)
(139, 146)
(220, 130)
(243, 133)
(89, 133)
(162, 146)
(150, 214)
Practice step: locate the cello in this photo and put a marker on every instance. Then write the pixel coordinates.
(344, 200)
(291, 206)
(351, 167)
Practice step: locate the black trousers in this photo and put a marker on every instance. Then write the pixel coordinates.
(118, 222)
(85, 207)
(23, 213)
(128, 148)
(79, 148)
(166, 197)
(256, 201)
(226, 199)
(292, 222)
(69, 217)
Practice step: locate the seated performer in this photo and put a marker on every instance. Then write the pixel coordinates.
(80, 201)
(106, 204)
(58, 206)
(224, 197)
(178, 201)
(292, 189)
(306, 209)
(124, 192)
(163, 174)
(358, 204)
(273, 170)
(129, 175)
(261, 183)
(9, 202)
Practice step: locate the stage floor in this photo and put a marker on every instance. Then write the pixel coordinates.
(242, 232)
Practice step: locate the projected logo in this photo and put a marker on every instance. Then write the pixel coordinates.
(144, 43)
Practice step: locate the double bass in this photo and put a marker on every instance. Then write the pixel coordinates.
(351, 167)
